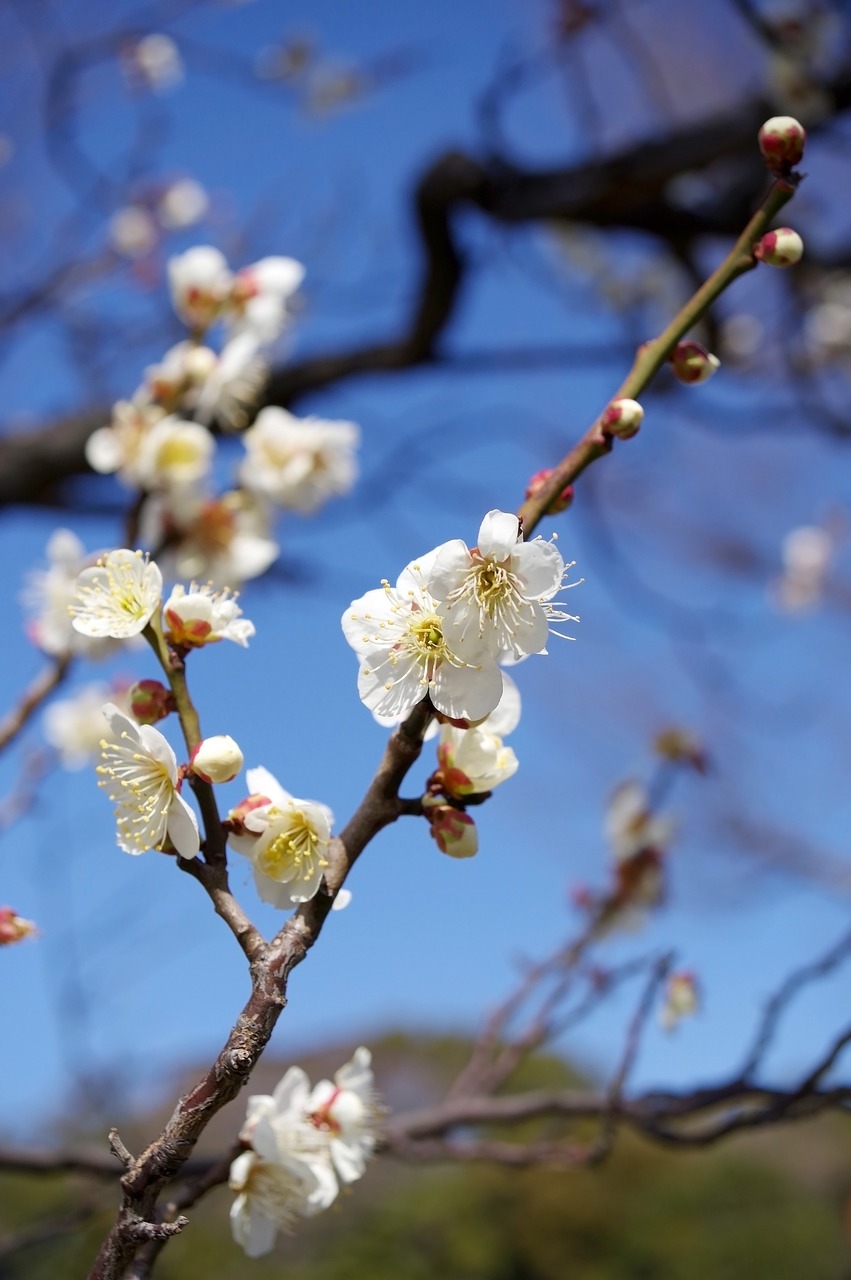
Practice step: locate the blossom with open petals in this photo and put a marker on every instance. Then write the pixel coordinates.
(500, 591)
(138, 771)
(260, 294)
(118, 596)
(222, 540)
(200, 282)
(405, 653)
(472, 761)
(202, 616)
(299, 463)
(682, 999)
(286, 839)
(48, 595)
(172, 453)
(302, 1141)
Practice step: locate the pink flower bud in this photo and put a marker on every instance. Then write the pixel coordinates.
(217, 759)
(781, 141)
(780, 248)
(692, 363)
(149, 701)
(454, 831)
(14, 928)
(622, 418)
(559, 503)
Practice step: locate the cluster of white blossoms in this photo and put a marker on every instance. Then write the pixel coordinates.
(454, 615)
(159, 440)
(302, 1144)
(285, 839)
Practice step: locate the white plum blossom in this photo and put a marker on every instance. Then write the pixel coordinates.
(48, 595)
(259, 296)
(75, 726)
(116, 446)
(182, 204)
(807, 552)
(500, 591)
(224, 540)
(138, 771)
(233, 384)
(202, 616)
(502, 721)
(400, 638)
(132, 231)
(173, 453)
(632, 827)
(302, 1142)
(118, 596)
(156, 59)
(473, 760)
(285, 838)
(299, 463)
(200, 281)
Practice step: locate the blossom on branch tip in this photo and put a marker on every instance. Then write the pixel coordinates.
(498, 594)
(200, 283)
(631, 825)
(202, 616)
(286, 839)
(138, 771)
(14, 928)
(173, 453)
(782, 140)
(398, 635)
(622, 418)
(692, 363)
(118, 596)
(780, 248)
(259, 296)
(217, 758)
(682, 1000)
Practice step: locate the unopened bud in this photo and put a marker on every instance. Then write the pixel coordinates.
(562, 500)
(682, 999)
(622, 418)
(216, 759)
(14, 928)
(780, 248)
(454, 831)
(782, 140)
(149, 701)
(693, 363)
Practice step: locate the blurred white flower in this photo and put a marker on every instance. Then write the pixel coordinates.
(200, 282)
(138, 771)
(76, 726)
(173, 453)
(224, 541)
(48, 595)
(299, 463)
(681, 1000)
(132, 231)
(631, 826)
(156, 60)
(806, 553)
(182, 204)
(260, 294)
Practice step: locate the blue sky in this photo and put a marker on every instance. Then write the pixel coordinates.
(133, 975)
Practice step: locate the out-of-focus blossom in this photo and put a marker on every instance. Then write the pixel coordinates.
(14, 928)
(118, 596)
(155, 61)
(138, 771)
(200, 281)
(286, 839)
(75, 726)
(299, 463)
(182, 204)
(681, 1000)
(302, 1141)
(260, 294)
(116, 447)
(173, 454)
(806, 552)
(133, 232)
(631, 825)
(48, 595)
(224, 541)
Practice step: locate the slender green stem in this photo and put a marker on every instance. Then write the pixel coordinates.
(652, 355)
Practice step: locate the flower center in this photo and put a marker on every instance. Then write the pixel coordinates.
(292, 850)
